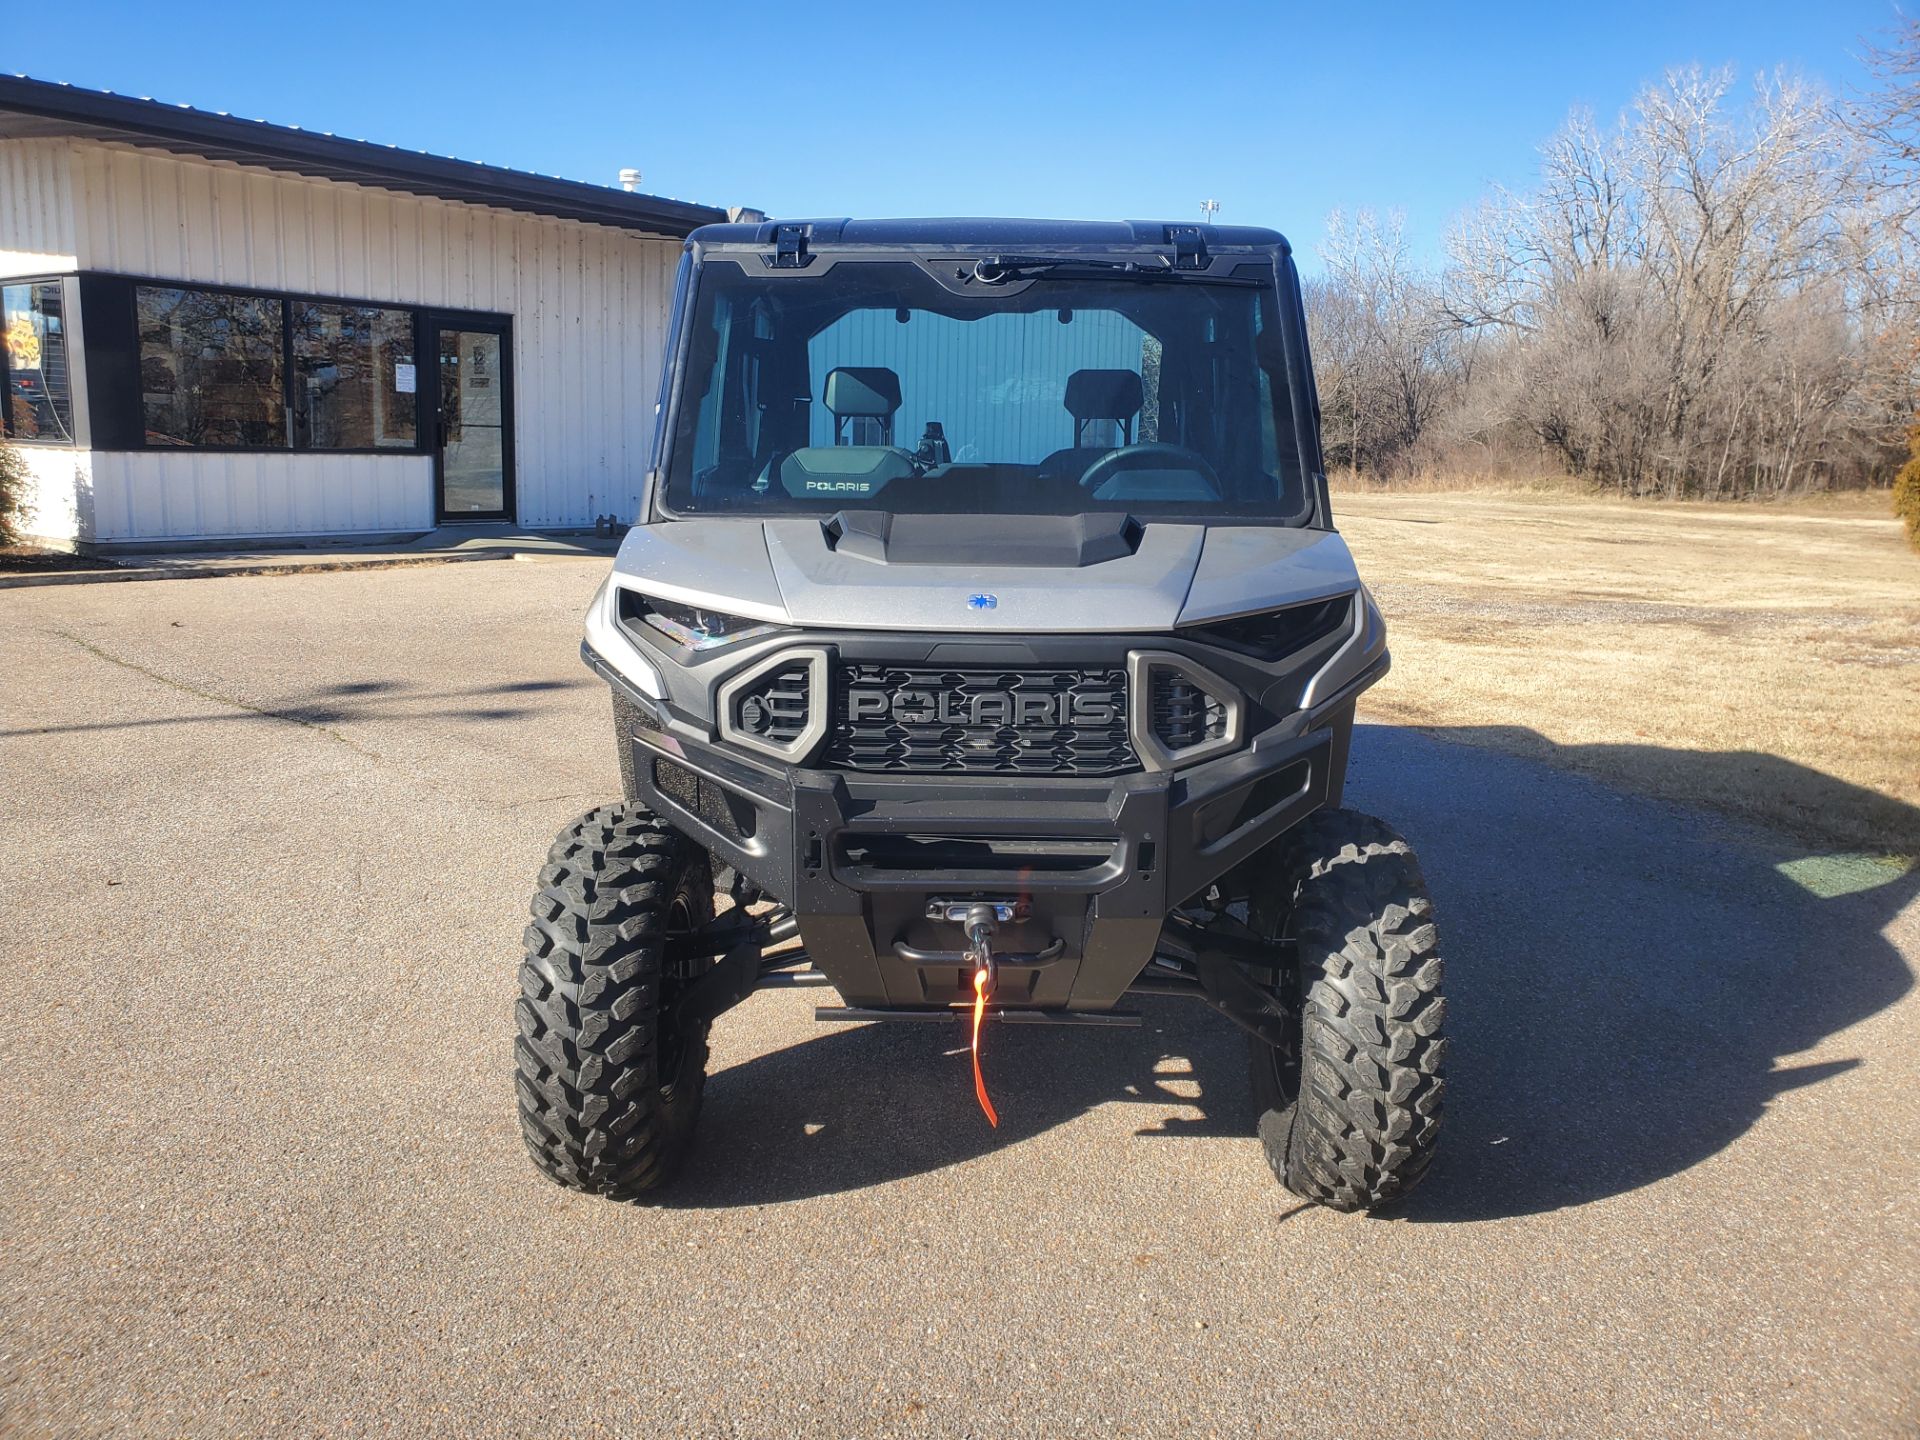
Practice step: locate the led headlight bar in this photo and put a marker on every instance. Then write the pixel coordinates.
(694, 627)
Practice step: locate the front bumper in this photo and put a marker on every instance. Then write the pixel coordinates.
(1096, 864)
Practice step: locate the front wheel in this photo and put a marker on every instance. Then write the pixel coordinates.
(609, 1078)
(1349, 1116)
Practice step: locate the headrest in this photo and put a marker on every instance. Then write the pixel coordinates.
(1103, 394)
(868, 391)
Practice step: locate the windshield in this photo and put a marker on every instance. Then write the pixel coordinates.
(876, 386)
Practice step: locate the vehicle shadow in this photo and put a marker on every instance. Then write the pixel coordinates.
(1628, 982)
(863, 1105)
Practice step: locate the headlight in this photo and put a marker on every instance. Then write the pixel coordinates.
(690, 626)
(1276, 634)
(609, 639)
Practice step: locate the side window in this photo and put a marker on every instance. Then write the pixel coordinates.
(1279, 443)
(39, 392)
(1273, 388)
(716, 339)
(682, 277)
(753, 379)
(1150, 356)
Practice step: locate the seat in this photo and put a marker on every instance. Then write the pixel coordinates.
(843, 472)
(1103, 404)
(862, 400)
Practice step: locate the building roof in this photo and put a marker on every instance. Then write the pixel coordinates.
(37, 108)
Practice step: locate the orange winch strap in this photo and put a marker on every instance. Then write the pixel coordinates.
(979, 1013)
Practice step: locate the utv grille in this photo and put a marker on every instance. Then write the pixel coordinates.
(777, 706)
(1182, 711)
(773, 708)
(979, 721)
(1183, 714)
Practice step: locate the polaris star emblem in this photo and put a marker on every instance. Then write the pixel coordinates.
(982, 602)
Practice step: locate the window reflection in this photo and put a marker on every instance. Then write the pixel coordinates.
(39, 391)
(210, 368)
(349, 365)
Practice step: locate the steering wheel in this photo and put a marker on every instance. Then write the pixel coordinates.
(1147, 456)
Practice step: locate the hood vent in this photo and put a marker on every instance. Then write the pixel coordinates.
(1065, 542)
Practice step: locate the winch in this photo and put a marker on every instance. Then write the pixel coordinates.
(982, 919)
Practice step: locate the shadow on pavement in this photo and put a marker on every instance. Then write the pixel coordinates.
(862, 1106)
(1627, 983)
(338, 705)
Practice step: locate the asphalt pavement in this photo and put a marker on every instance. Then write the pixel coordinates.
(265, 847)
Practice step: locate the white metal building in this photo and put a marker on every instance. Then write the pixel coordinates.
(218, 328)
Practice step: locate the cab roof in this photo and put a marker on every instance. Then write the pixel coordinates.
(1032, 234)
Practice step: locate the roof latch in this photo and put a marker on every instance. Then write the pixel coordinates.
(1189, 247)
(790, 247)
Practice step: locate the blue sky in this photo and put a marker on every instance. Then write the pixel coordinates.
(1047, 107)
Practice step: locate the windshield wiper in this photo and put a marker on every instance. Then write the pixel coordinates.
(1000, 269)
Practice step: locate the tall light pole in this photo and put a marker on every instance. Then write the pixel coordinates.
(1208, 209)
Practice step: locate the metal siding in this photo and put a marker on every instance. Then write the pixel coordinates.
(36, 207)
(589, 309)
(171, 495)
(59, 482)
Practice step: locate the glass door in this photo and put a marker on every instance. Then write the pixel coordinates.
(473, 454)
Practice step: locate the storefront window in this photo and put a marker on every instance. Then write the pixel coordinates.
(180, 365)
(354, 377)
(39, 390)
(210, 368)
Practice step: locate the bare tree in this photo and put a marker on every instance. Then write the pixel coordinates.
(1887, 118)
(1694, 300)
(1385, 345)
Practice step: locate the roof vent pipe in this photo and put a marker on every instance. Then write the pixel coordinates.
(629, 179)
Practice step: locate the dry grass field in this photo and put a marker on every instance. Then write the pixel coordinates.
(1761, 661)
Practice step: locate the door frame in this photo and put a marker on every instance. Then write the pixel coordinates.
(433, 323)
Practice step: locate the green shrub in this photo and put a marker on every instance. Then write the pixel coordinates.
(14, 485)
(1906, 489)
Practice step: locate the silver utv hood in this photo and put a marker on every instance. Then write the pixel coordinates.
(785, 572)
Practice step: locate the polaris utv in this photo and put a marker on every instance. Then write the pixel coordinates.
(985, 643)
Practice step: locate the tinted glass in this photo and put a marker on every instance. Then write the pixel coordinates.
(874, 385)
(473, 411)
(996, 383)
(210, 368)
(354, 377)
(39, 390)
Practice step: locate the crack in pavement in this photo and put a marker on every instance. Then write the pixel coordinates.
(426, 782)
(187, 688)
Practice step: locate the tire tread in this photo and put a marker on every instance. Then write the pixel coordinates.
(594, 1111)
(1363, 1129)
